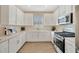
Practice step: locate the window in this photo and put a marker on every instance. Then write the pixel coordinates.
(38, 19)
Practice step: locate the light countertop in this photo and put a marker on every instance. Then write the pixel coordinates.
(7, 37)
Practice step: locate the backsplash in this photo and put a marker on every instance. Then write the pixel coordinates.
(31, 28)
(69, 28)
(59, 28)
(2, 30)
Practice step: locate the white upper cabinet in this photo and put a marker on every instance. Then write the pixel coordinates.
(20, 16)
(8, 15)
(69, 9)
(55, 16)
(65, 9)
(4, 15)
(48, 19)
(28, 19)
(12, 15)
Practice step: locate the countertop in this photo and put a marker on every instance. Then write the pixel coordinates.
(7, 37)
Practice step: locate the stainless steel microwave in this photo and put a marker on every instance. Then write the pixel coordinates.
(68, 19)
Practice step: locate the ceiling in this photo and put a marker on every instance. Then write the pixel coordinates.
(37, 8)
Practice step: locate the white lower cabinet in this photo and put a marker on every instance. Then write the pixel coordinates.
(13, 45)
(52, 37)
(35, 36)
(16, 43)
(23, 37)
(70, 45)
(29, 36)
(38, 36)
(44, 36)
(4, 47)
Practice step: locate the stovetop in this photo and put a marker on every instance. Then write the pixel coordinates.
(66, 34)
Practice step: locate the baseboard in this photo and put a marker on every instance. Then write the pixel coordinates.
(21, 47)
(37, 41)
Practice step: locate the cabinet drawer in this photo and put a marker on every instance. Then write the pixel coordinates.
(4, 47)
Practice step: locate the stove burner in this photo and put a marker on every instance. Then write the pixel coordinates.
(66, 34)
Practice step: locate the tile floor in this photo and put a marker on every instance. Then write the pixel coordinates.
(38, 47)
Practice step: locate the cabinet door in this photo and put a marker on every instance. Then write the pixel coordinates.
(48, 19)
(32, 36)
(13, 45)
(28, 17)
(19, 17)
(4, 47)
(35, 36)
(52, 36)
(12, 15)
(4, 15)
(55, 16)
(21, 39)
(44, 36)
(29, 36)
(70, 45)
(69, 9)
(23, 36)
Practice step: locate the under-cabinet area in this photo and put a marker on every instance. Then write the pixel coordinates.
(38, 29)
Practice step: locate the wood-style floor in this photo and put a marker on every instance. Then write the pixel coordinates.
(39, 47)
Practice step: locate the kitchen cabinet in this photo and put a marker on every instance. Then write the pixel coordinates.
(23, 36)
(16, 43)
(28, 19)
(48, 19)
(8, 15)
(12, 15)
(69, 9)
(62, 10)
(4, 47)
(38, 36)
(65, 9)
(70, 45)
(20, 17)
(31, 36)
(44, 36)
(35, 36)
(55, 16)
(52, 37)
(13, 45)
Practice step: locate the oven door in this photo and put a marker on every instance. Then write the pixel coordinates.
(60, 44)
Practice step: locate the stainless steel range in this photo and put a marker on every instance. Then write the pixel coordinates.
(59, 40)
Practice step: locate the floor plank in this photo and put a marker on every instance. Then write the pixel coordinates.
(39, 47)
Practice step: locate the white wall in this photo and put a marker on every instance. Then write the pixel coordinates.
(77, 25)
